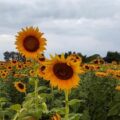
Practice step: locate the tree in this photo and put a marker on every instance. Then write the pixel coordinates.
(92, 57)
(112, 56)
(13, 56)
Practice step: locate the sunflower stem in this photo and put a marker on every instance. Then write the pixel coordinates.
(66, 105)
(3, 117)
(16, 116)
(36, 93)
(36, 85)
(52, 93)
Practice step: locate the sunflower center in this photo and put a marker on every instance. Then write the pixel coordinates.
(31, 43)
(42, 59)
(42, 68)
(63, 71)
(21, 86)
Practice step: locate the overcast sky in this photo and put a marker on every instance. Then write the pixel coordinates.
(86, 26)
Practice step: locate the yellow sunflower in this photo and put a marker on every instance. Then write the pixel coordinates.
(117, 88)
(4, 75)
(30, 42)
(19, 66)
(101, 74)
(2, 64)
(21, 87)
(56, 117)
(32, 73)
(13, 62)
(41, 71)
(62, 73)
(74, 58)
(41, 58)
(19, 75)
(9, 67)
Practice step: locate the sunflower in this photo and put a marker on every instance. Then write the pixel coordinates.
(30, 42)
(56, 117)
(2, 64)
(5, 71)
(86, 67)
(96, 67)
(114, 63)
(4, 75)
(41, 71)
(32, 73)
(98, 61)
(116, 74)
(110, 71)
(41, 58)
(9, 67)
(117, 88)
(62, 73)
(19, 66)
(101, 74)
(19, 75)
(74, 58)
(25, 65)
(90, 67)
(21, 87)
(1, 71)
(14, 62)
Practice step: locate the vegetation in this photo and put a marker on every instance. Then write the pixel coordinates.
(67, 86)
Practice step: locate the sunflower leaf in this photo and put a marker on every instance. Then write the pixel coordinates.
(74, 101)
(15, 107)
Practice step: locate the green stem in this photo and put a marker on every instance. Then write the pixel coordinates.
(15, 118)
(66, 106)
(35, 67)
(52, 93)
(3, 117)
(36, 93)
(17, 114)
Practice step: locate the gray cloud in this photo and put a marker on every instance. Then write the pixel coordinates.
(88, 26)
(25, 12)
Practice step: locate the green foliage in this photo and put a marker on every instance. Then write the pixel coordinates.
(94, 99)
(112, 56)
(92, 57)
(100, 97)
(5, 112)
(29, 108)
(15, 107)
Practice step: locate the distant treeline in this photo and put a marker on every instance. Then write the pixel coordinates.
(13, 56)
(110, 56)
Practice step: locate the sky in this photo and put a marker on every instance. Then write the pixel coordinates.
(86, 26)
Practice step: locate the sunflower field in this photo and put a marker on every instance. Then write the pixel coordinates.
(61, 87)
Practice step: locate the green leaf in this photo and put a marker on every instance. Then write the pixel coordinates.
(16, 107)
(45, 95)
(74, 101)
(2, 99)
(85, 115)
(36, 113)
(28, 118)
(32, 81)
(44, 107)
(42, 88)
(114, 110)
(75, 116)
(59, 110)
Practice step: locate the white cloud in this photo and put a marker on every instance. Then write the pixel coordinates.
(7, 44)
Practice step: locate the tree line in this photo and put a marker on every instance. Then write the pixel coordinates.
(110, 56)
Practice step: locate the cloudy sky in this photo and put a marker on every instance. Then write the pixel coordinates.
(86, 26)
